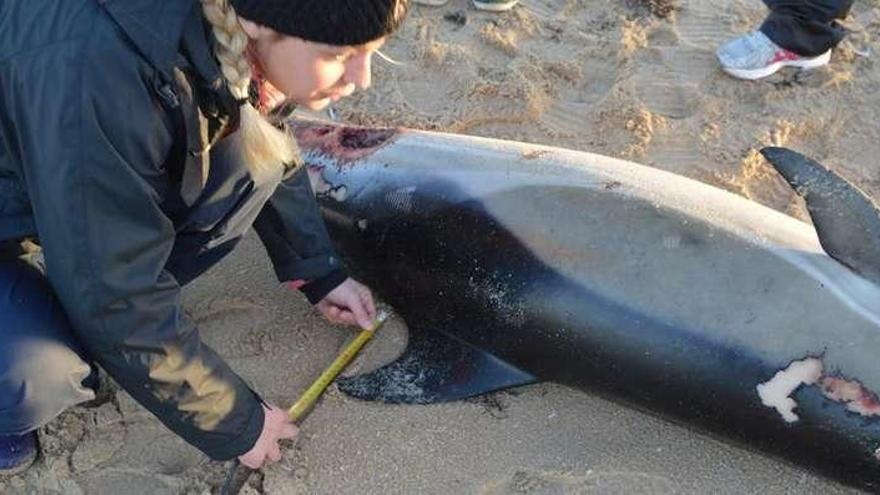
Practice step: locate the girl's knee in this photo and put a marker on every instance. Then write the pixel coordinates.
(43, 379)
(41, 370)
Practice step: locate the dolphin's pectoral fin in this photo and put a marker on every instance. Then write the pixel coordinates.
(435, 368)
(846, 219)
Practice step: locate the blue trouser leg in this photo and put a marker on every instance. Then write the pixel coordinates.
(41, 371)
(806, 27)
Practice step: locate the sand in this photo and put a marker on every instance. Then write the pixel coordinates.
(626, 78)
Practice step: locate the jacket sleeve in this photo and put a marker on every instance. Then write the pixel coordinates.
(291, 228)
(92, 139)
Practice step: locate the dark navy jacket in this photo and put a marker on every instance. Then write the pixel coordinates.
(111, 114)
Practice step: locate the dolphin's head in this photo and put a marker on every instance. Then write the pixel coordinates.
(339, 162)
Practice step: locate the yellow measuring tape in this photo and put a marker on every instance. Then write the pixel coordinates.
(313, 393)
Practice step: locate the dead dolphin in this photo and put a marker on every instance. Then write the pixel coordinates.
(513, 263)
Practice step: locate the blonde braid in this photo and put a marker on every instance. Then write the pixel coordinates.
(265, 147)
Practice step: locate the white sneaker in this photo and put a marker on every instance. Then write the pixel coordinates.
(754, 56)
(495, 5)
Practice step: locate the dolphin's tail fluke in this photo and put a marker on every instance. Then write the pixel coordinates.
(846, 219)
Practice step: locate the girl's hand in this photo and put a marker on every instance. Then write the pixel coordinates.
(276, 426)
(351, 303)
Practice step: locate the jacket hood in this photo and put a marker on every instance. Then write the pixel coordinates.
(154, 28)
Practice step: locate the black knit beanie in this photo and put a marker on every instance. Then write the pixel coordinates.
(332, 22)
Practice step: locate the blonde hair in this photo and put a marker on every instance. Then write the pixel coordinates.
(265, 147)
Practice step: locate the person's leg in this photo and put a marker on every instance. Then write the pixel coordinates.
(41, 372)
(806, 27)
(797, 33)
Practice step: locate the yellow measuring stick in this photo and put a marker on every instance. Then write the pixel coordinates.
(311, 395)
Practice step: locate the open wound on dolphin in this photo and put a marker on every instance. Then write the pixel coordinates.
(776, 392)
(344, 144)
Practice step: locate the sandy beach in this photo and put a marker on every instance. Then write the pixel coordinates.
(633, 79)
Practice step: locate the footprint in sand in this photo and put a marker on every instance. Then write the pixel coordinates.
(676, 150)
(568, 115)
(561, 483)
(565, 118)
(680, 56)
(668, 79)
(698, 25)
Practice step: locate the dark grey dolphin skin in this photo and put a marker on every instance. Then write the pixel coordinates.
(513, 263)
(847, 220)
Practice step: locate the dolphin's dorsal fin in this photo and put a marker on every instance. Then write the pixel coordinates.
(846, 219)
(435, 368)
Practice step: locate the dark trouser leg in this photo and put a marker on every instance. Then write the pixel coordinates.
(41, 372)
(806, 27)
